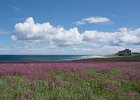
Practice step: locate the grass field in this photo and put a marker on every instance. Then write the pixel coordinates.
(70, 81)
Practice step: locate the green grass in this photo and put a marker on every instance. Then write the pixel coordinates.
(118, 59)
(95, 86)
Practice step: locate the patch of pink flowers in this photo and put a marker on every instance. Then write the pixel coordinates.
(42, 69)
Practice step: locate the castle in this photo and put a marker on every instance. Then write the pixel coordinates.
(125, 52)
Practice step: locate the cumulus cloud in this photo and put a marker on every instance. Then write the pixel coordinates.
(29, 30)
(122, 37)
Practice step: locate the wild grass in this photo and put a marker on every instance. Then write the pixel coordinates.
(70, 81)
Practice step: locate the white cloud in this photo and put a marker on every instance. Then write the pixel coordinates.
(129, 36)
(122, 37)
(58, 36)
(29, 30)
(97, 19)
(80, 22)
(93, 20)
(97, 36)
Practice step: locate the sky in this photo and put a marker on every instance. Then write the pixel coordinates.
(74, 27)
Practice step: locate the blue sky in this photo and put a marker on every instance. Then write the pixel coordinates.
(69, 26)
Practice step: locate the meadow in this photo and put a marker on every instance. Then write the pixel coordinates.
(70, 81)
